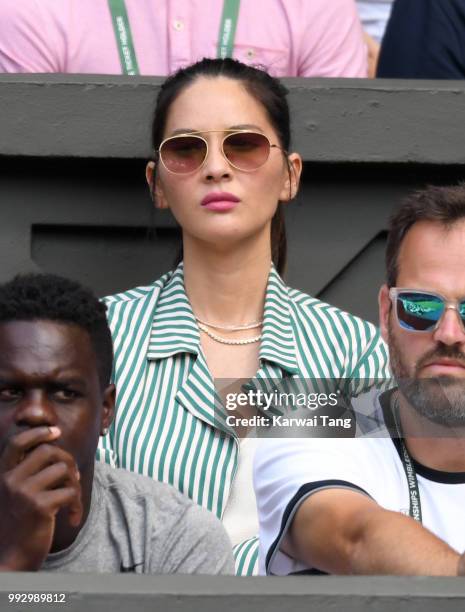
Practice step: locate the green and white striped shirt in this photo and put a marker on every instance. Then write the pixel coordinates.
(167, 424)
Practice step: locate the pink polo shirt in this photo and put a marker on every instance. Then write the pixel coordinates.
(287, 37)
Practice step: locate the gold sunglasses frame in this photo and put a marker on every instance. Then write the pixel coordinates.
(227, 133)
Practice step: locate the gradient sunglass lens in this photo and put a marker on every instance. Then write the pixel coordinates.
(244, 150)
(247, 150)
(419, 311)
(183, 154)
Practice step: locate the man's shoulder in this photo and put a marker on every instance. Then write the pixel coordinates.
(180, 529)
(129, 487)
(314, 9)
(51, 8)
(372, 443)
(317, 453)
(14, 10)
(27, 14)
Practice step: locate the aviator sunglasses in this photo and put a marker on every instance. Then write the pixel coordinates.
(421, 311)
(243, 149)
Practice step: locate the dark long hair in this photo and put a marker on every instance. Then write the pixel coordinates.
(265, 89)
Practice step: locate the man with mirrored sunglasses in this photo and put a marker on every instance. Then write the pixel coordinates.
(392, 500)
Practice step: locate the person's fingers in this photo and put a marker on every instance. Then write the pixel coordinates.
(16, 447)
(50, 478)
(51, 502)
(41, 457)
(59, 477)
(66, 473)
(39, 466)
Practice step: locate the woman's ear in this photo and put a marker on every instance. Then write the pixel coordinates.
(291, 183)
(156, 192)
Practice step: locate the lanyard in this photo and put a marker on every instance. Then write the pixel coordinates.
(409, 468)
(123, 34)
(228, 28)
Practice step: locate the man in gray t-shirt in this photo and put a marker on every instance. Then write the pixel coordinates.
(138, 525)
(59, 510)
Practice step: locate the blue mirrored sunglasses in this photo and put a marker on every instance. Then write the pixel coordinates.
(421, 311)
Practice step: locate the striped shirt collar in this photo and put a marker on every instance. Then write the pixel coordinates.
(174, 328)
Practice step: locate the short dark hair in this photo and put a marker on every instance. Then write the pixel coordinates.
(444, 205)
(49, 297)
(267, 90)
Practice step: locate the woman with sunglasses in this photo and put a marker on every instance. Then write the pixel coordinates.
(221, 133)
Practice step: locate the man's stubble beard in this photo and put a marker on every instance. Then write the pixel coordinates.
(441, 400)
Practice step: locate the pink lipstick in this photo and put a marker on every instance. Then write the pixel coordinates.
(219, 201)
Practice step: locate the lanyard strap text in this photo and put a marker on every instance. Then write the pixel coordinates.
(409, 469)
(124, 39)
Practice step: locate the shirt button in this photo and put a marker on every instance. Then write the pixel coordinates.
(250, 53)
(178, 25)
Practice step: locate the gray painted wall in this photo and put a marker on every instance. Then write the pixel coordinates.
(73, 198)
(229, 594)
